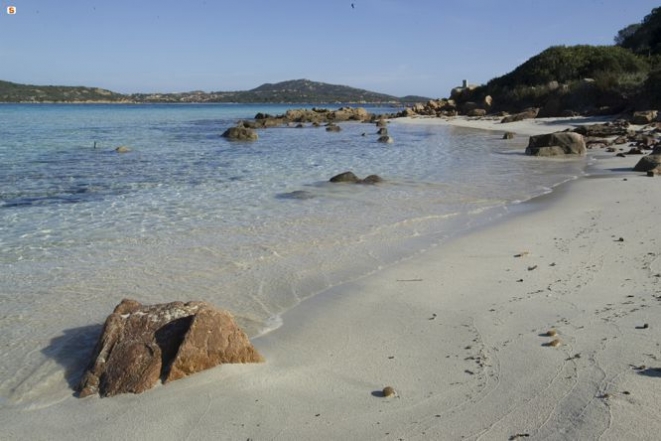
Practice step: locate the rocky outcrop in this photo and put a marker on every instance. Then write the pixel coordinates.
(350, 177)
(240, 133)
(442, 107)
(142, 344)
(556, 144)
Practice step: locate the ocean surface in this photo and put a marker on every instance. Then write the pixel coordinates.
(188, 215)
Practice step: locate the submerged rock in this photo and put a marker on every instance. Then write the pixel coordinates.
(142, 344)
(350, 177)
(298, 194)
(345, 177)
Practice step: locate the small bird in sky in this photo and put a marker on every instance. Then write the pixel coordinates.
(353, 6)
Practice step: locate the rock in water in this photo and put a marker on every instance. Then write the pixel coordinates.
(240, 134)
(554, 144)
(141, 345)
(345, 177)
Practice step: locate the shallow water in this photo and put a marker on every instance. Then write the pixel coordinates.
(187, 215)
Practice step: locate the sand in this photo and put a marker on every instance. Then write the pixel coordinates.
(459, 331)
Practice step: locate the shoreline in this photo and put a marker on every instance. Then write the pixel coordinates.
(457, 330)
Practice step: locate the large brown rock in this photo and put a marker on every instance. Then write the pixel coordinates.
(555, 144)
(141, 345)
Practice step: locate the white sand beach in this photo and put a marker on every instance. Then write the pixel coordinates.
(459, 331)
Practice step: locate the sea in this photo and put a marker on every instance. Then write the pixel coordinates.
(185, 214)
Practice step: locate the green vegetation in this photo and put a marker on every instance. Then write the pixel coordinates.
(643, 38)
(582, 78)
(586, 79)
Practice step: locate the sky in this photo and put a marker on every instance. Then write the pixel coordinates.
(397, 47)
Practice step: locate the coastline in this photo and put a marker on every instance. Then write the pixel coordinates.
(456, 330)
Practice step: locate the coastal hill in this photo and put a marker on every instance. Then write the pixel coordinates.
(294, 91)
(13, 93)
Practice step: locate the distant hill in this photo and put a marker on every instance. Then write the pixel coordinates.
(294, 91)
(13, 92)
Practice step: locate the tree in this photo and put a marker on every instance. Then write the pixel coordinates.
(646, 37)
(625, 33)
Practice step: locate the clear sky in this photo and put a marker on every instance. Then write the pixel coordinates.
(398, 47)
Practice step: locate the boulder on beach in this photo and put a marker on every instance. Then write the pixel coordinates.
(644, 117)
(556, 144)
(142, 344)
(476, 112)
(526, 114)
(240, 134)
(650, 162)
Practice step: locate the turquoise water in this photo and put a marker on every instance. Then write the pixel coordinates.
(188, 215)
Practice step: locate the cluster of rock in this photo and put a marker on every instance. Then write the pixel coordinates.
(609, 136)
(351, 178)
(246, 130)
(142, 345)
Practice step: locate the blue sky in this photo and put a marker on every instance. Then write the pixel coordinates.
(399, 47)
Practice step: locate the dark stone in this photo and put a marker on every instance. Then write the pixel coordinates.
(371, 179)
(649, 162)
(509, 135)
(345, 177)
